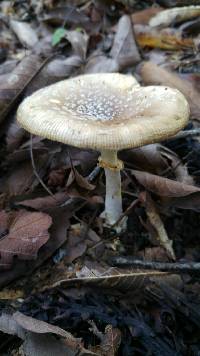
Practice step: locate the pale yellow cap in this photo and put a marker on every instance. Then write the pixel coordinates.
(104, 111)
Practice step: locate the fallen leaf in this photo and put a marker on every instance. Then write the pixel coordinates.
(175, 15)
(25, 33)
(171, 39)
(76, 244)
(3, 221)
(152, 74)
(172, 3)
(154, 254)
(22, 178)
(99, 63)
(164, 187)
(14, 136)
(124, 49)
(79, 42)
(110, 340)
(80, 180)
(147, 158)
(46, 202)
(27, 233)
(112, 278)
(17, 82)
(143, 16)
(62, 67)
(39, 337)
(41, 327)
(178, 168)
(70, 14)
(157, 224)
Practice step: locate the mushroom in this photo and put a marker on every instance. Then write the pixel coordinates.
(107, 112)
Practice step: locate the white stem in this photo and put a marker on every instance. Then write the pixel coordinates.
(113, 199)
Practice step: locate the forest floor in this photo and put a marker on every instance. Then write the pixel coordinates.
(70, 286)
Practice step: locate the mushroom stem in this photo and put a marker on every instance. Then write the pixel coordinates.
(113, 199)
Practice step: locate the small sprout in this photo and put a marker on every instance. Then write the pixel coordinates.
(58, 35)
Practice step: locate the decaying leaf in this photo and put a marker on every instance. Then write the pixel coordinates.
(171, 39)
(152, 74)
(177, 14)
(46, 202)
(17, 82)
(39, 337)
(124, 49)
(79, 42)
(157, 224)
(143, 16)
(22, 178)
(111, 279)
(110, 340)
(156, 159)
(68, 13)
(27, 233)
(25, 33)
(99, 63)
(164, 187)
(80, 180)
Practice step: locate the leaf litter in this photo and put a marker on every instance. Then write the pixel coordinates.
(61, 292)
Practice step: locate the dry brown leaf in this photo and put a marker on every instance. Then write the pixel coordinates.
(99, 63)
(112, 278)
(60, 217)
(16, 83)
(22, 177)
(143, 16)
(80, 180)
(47, 202)
(177, 14)
(69, 14)
(157, 254)
(124, 49)
(76, 244)
(147, 158)
(79, 42)
(60, 68)
(41, 327)
(164, 187)
(172, 3)
(171, 39)
(25, 33)
(37, 338)
(179, 169)
(3, 221)
(152, 74)
(14, 136)
(27, 233)
(157, 224)
(110, 339)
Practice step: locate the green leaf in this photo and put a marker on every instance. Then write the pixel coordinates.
(58, 35)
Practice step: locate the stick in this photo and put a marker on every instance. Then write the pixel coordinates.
(184, 134)
(183, 267)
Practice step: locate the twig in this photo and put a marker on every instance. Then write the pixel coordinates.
(126, 212)
(183, 267)
(35, 170)
(93, 174)
(184, 134)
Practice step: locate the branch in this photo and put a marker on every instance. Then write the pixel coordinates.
(183, 267)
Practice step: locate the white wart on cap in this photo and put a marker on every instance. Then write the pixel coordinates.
(104, 111)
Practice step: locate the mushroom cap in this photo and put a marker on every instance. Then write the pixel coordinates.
(104, 111)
